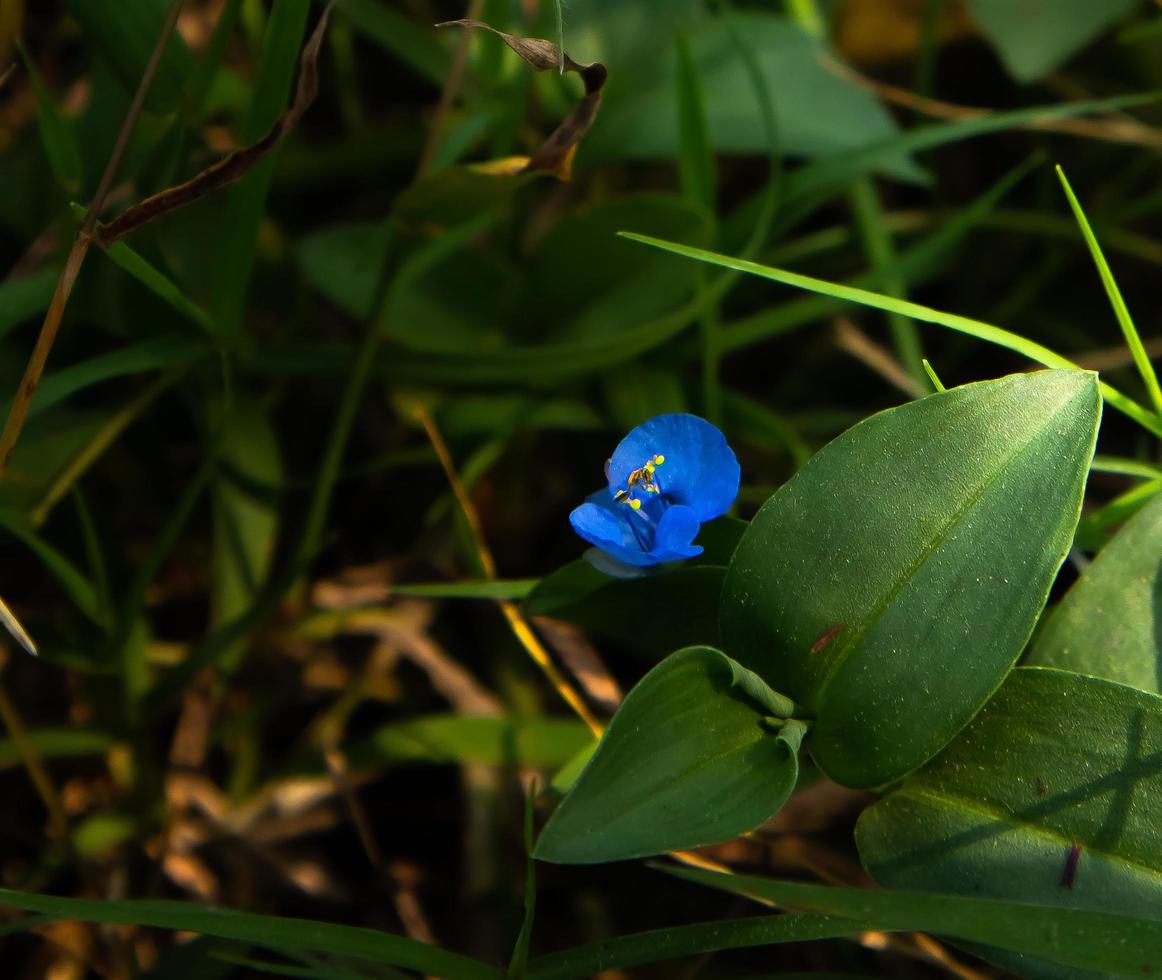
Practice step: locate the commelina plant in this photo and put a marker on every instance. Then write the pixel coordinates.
(870, 619)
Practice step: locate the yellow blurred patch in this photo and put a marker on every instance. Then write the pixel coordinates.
(872, 32)
(11, 23)
(512, 166)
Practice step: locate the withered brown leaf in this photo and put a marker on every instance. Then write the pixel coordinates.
(555, 154)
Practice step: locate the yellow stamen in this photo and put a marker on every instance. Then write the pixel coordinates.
(636, 504)
(659, 460)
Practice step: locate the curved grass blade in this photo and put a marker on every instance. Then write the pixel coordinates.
(1125, 321)
(270, 932)
(924, 314)
(1071, 937)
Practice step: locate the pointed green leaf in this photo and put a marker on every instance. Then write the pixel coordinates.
(1050, 796)
(56, 133)
(689, 759)
(1108, 623)
(890, 585)
(1035, 36)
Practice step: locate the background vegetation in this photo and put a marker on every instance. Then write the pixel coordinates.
(246, 449)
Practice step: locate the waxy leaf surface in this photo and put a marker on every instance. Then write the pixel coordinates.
(1107, 624)
(689, 759)
(1049, 796)
(891, 584)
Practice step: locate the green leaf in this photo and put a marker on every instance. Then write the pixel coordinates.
(1108, 624)
(245, 523)
(1088, 940)
(125, 34)
(157, 282)
(345, 263)
(1055, 761)
(281, 933)
(689, 759)
(820, 113)
(495, 741)
(892, 582)
(1034, 37)
(56, 133)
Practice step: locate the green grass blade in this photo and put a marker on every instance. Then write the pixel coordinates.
(270, 932)
(696, 164)
(819, 181)
(169, 350)
(1125, 321)
(498, 589)
(1069, 936)
(923, 314)
(877, 241)
(932, 376)
(245, 202)
(661, 945)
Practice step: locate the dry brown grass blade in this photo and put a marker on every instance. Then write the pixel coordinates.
(22, 399)
(236, 165)
(852, 340)
(555, 154)
(1112, 130)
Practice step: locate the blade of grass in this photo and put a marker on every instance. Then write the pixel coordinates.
(96, 447)
(74, 583)
(662, 945)
(1125, 321)
(494, 589)
(877, 242)
(1067, 936)
(924, 314)
(696, 169)
(1126, 467)
(269, 932)
(245, 201)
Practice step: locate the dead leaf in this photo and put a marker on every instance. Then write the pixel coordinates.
(555, 154)
(233, 167)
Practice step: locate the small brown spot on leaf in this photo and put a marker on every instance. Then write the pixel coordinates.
(828, 635)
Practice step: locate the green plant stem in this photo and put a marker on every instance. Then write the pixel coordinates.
(877, 242)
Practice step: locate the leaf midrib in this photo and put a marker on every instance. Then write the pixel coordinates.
(852, 641)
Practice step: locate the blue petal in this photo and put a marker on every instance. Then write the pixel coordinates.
(602, 527)
(700, 470)
(605, 563)
(676, 530)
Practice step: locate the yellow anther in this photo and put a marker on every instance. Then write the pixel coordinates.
(659, 460)
(635, 504)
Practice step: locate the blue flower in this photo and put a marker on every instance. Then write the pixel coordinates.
(666, 479)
